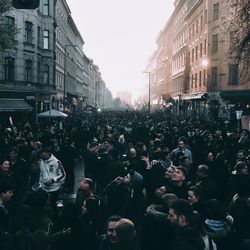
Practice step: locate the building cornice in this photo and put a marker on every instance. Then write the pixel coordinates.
(194, 8)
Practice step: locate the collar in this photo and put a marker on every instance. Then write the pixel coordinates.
(1, 204)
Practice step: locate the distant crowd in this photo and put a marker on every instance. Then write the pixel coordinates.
(151, 182)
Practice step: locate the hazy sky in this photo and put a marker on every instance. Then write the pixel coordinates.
(120, 36)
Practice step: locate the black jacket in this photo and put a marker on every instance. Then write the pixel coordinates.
(187, 238)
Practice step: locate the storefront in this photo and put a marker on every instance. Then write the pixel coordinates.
(194, 105)
(18, 109)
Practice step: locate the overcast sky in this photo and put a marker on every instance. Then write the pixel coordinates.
(120, 36)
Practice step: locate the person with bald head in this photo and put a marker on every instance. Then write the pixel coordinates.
(126, 235)
(206, 183)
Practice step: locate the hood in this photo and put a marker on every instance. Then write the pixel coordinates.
(52, 158)
(156, 212)
(217, 228)
(186, 236)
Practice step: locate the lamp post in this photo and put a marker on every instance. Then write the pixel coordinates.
(65, 72)
(149, 89)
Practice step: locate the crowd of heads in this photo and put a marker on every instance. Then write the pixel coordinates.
(136, 166)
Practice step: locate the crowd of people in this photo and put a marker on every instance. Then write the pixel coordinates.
(151, 182)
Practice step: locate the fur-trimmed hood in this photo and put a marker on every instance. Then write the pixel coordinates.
(157, 212)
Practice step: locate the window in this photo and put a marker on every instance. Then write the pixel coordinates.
(38, 37)
(61, 81)
(10, 21)
(201, 22)
(28, 70)
(193, 30)
(195, 80)
(197, 26)
(46, 39)
(204, 77)
(46, 74)
(190, 33)
(38, 70)
(205, 46)
(28, 32)
(192, 55)
(205, 16)
(216, 9)
(215, 43)
(192, 81)
(201, 49)
(9, 66)
(196, 53)
(11, 26)
(214, 76)
(233, 74)
(200, 75)
(46, 7)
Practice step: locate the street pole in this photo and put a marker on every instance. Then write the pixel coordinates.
(36, 106)
(149, 89)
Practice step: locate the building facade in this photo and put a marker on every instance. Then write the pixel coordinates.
(48, 67)
(27, 72)
(206, 82)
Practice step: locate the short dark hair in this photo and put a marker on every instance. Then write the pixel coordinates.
(183, 170)
(240, 165)
(182, 207)
(45, 149)
(14, 149)
(196, 190)
(114, 217)
(215, 209)
(2, 160)
(93, 144)
(6, 186)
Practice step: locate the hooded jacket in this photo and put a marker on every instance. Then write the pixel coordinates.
(156, 230)
(51, 169)
(187, 238)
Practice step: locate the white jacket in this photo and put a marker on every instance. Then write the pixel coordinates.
(51, 169)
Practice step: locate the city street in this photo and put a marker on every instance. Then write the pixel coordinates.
(79, 175)
(150, 100)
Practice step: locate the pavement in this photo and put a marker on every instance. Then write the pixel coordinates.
(79, 175)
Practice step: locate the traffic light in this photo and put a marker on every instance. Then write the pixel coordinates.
(25, 4)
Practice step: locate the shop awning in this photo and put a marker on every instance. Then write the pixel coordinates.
(236, 95)
(14, 105)
(194, 96)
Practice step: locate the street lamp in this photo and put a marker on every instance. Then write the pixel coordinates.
(65, 72)
(204, 62)
(149, 76)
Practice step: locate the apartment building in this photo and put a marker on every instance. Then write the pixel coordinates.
(179, 51)
(27, 72)
(194, 99)
(229, 87)
(205, 80)
(48, 68)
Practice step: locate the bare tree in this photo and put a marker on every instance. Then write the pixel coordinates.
(8, 31)
(240, 32)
